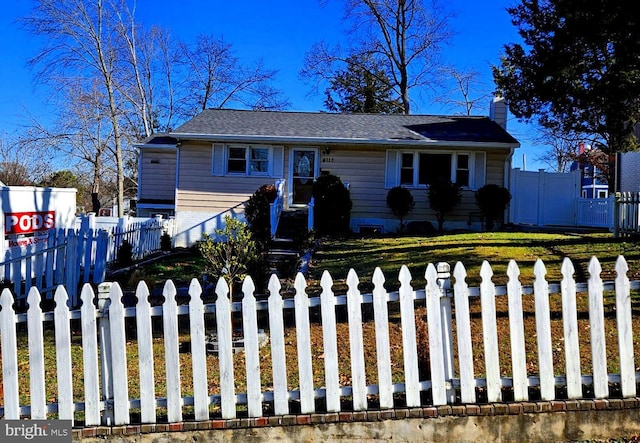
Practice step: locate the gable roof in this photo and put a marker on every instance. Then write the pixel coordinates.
(270, 126)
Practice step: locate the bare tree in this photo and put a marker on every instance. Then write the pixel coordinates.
(466, 91)
(82, 41)
(405, 35)
(561, 148)
(216, 78)
(20, 165)
(82, 133)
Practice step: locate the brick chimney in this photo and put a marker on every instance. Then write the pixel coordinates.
(498, 111)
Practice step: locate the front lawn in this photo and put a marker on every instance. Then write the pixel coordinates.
(389, 253)
(364, 254)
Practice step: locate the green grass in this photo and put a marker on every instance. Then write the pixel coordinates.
(389, 253)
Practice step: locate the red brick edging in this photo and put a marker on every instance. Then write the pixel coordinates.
(366, 416)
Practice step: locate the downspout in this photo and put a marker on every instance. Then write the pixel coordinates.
(175, 187)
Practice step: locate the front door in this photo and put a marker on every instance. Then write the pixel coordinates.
(304, 163)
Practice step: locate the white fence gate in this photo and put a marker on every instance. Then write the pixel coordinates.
(543, 198)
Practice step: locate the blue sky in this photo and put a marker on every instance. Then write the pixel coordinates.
(279, 32)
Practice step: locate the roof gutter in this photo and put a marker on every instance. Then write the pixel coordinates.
(338, 141)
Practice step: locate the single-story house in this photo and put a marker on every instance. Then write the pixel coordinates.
(213, 163)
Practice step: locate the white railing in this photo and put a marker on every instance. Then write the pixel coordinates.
(595, 212)
(627, 214)
(107, 344)
(143, 235)
(276, 207)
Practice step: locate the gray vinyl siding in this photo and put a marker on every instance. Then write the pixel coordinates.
(158, 174)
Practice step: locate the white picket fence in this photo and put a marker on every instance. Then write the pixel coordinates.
(105, 346)
(627, 214)
(64, 257)
(73, 257)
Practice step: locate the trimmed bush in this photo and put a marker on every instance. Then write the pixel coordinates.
(400, 201)
(492, 201)
(332, 205)
(443, 197)
(258, 214)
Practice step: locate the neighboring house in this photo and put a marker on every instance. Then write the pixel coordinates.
(217, 160)
(593, 183)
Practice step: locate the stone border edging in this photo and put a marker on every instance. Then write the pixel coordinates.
(492, 409)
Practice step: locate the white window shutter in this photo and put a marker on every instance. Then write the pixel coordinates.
(392, 169)
(277, 164)
(479, 170)
(218, 160)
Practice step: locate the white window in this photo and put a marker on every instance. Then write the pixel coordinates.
(603, 193)
(248, 160)
(424, 168)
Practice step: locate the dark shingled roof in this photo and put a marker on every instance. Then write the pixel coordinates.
(374, 127)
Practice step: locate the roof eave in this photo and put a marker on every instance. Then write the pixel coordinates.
(154, 146)
(339, 141)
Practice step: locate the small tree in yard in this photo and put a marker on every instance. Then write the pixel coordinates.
(234, 253)
(492, 201)
(400, 201)
(443, 197)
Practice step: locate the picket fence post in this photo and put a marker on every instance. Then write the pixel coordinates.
(490, 333)
(171, 351)
(104, 343)
(444, 283)
(381, 318)
(409, 343)
(118, 343)
(198, 352)
(330, 343)
(543, 332)
(145, 355)
(63, 354)
(36, 356)
(436, 346)
(90, 357)
(570, 324)
(8, 341)
(303, 335)
(356, 346)
(516, 334)
(463, 330)
(596, 329)
(251, 348)
(278, 356)
(625, 332)
(225, 350)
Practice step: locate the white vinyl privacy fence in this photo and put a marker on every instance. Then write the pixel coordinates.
(97, 377)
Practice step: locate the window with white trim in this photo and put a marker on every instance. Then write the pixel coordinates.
(249, 160)
(245, 159)
(422, 169)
